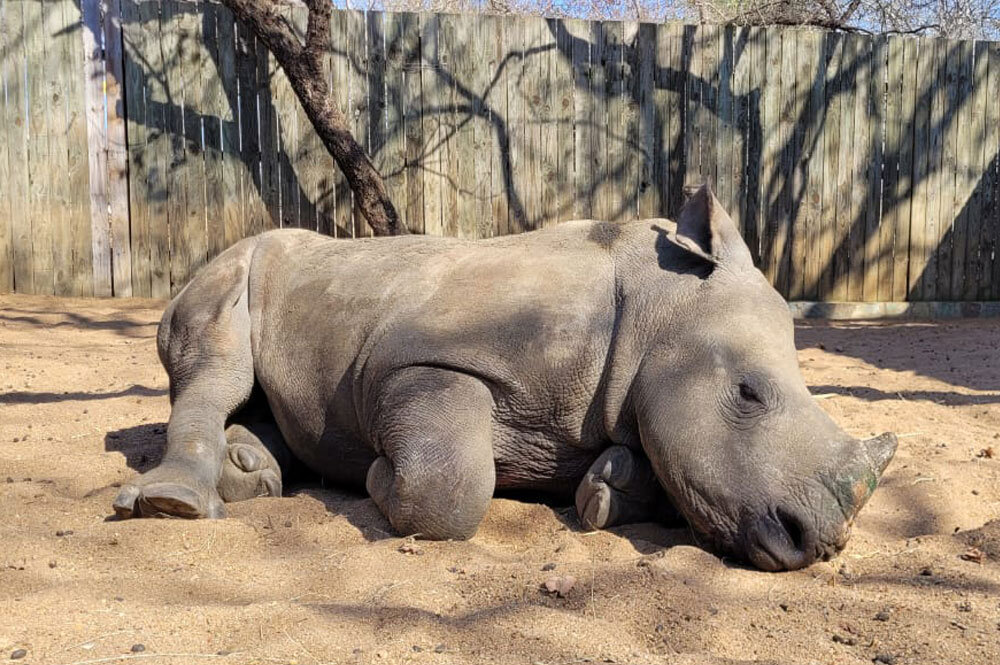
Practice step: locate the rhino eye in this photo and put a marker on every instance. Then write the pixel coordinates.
(748, 394)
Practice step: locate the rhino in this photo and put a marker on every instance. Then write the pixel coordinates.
(644, 369)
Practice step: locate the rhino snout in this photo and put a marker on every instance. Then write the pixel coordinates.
(782, 539)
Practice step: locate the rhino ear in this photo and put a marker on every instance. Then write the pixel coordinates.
(704, 228)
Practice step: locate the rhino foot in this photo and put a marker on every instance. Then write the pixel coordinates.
(168, 492)
(618, 488)
(249, 469)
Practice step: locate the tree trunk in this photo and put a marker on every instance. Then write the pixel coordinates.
(303, 65)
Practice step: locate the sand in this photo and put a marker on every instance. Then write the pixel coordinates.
(318, 577)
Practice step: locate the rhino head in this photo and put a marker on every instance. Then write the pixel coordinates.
(740, 446)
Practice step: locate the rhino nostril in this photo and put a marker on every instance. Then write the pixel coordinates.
(793, 527)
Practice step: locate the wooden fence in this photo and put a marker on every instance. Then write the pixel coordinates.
(859, 169)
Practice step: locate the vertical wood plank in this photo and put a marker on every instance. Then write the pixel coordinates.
(845, 168)
(267, 117)
(17, 146)
(134, 47)
(771, 179)
(483, 53)
(412, 99)
(497, 100)
(458, 33)
(860, 161)
(374, 89)
(891, 210)
(340, 85)
(193, 243)
(723, 147)
(875, 127)
(583, 165)
(787, 156)
(990, 287)
(392, 157)
(834, 52)
(813, 66)
(435, 98)
(121, 255)
(59, 28)
(39, 177)
(358, 47)
(905, 189)
(287, 141)
(921, 196)
(743, 57)
(548, 159)
(213, 109)
(962, 122)
(10, 67)
(599, 120)
(949, 123)
(968, 160)
(628, 119)
(234, 222)
(977, 257)
(755, 177)
(650, 128)
(158, 151)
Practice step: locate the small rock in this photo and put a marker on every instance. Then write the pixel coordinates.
(288, 523)
(883, 615)
(973, 554)
(926, 571)
(439, 648)
(848, 641)
(410, 548)
(417, 649)
(380, 654)
(138, 648)
(559, 585)
(965, 606)
(783, 606)
(60, 533)
(9, 479)
(985, 453)
(52, 564)
(19, 654)
(959, 625)
(549, 566)
(884, 658)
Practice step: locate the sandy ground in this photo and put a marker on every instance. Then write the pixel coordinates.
(318, 577)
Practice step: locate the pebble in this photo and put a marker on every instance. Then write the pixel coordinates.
(965, 606)
(52, 564)
(885, 659)
(19, 654)
(138, 648)
(883, 615)
(60, 533)
(439, 648)
(417, 649)
(927, 571)
(549, 566)
(840, 639)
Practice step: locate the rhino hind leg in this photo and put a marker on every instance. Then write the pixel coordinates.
(619, 488)
(204, 344)
(435, 474)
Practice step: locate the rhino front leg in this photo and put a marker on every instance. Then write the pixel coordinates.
(204, 344)
(435, 475)
(619, 488)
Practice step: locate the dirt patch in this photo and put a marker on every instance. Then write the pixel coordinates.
(318, 577)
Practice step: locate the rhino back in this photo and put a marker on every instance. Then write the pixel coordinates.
(531, 315)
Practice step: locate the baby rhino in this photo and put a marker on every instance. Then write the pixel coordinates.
(647, 367)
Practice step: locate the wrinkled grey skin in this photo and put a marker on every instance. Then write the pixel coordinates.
(613, 361)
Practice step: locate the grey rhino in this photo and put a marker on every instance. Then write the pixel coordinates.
(613, 361)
